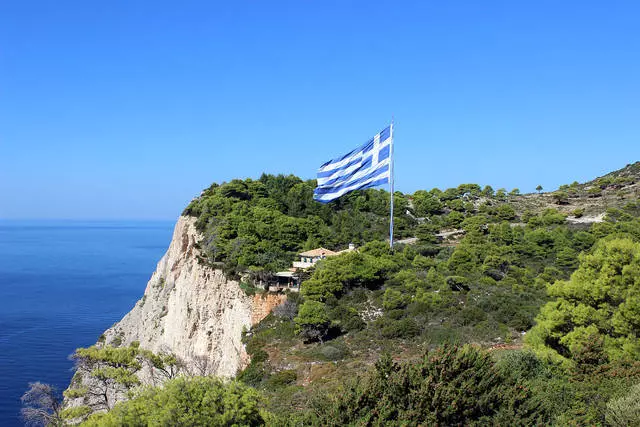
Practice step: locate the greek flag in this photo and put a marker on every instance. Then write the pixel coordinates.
(364, 167)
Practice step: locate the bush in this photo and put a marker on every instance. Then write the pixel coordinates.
(561, 197)
(253, 374)
(116, 341)
(202, 401)
(458, 283)
(521, 365)
(449, 386)
(625, 411)
(454, 219)
(472, 315)
(330, 352)
(594, 192)
(394, 299)
(248, 288)
(403, 328)
(281, 379)
(312, 322)
(505, 212)
(347, 318)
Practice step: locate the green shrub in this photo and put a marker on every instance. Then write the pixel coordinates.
(505, 212)
(197, 401)
(281, 379)
(472, 315)
(521, 365)
(76, 412)
(403, 328)
(117, 340)
(594, 192)
(248, 288)
(330, 352)
(449, 386)
(394, 299)
(454, 219)
(253, 374)
(561, 197)
(458, 283)
(347, 318)
(312, 321)
(625, 411)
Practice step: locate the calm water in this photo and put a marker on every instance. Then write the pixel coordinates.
(62, 284)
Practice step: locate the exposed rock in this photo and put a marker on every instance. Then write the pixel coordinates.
(586, 219)
(263, 304)
(188, 309)
(193, 310)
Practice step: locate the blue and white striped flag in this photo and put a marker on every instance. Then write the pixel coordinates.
(364, 167)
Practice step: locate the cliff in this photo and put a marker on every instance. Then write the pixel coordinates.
(193, 310)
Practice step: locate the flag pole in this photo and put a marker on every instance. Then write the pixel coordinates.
(391, 186)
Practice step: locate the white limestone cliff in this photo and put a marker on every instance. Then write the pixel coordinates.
(193, 310)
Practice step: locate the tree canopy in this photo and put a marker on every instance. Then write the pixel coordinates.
(198, 401)
(595, 315)
(263, 223)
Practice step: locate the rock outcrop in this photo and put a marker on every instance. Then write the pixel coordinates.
(193, 310)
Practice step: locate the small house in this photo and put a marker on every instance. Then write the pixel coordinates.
(310, 258)
(291, 278)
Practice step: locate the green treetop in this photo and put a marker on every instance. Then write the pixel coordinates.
(198, 401)
(596, 314)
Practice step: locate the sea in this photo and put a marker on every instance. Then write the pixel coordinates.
(62, 283)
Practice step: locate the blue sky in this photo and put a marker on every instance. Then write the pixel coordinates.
(127, 109)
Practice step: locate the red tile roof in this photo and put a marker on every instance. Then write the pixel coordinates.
(319, 252)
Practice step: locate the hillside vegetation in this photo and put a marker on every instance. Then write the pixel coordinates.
(484, 286)
(506, 309)
(259, 225)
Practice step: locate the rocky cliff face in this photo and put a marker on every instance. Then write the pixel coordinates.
(192, 310)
